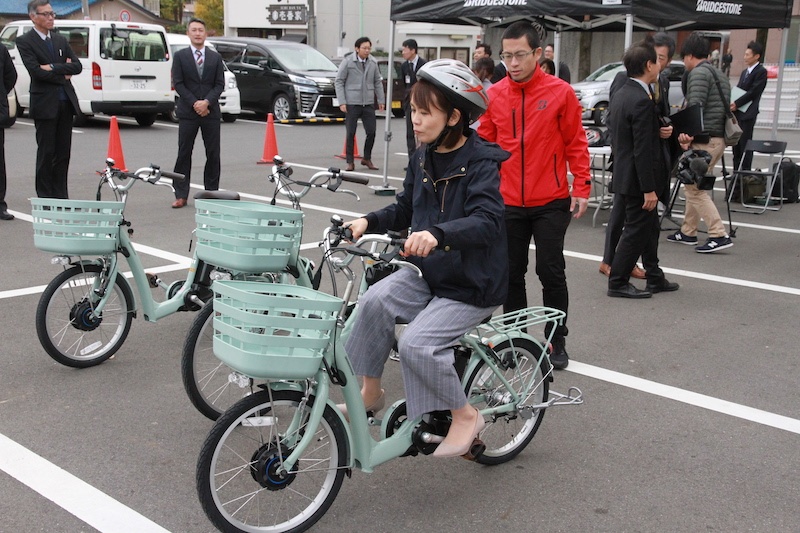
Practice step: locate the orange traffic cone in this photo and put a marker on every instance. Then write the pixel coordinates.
(343, 155)
(270, 142)
(115, 145)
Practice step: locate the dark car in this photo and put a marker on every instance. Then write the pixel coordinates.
(397, 84)
(285, 78)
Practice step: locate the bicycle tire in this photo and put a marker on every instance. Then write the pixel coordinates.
(66, 331)
(205, 378)
(236, 486)
(507, 435)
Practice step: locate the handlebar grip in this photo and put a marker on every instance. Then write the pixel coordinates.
(361, 180)
(173, 175)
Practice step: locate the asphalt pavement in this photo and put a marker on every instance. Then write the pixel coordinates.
(692, 413)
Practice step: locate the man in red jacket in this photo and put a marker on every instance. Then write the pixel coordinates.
(538, 119)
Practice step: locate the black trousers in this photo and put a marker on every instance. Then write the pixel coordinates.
(738, 151)
(3, 204)
(639, 237)
(54, 141)
(411, 141)
(547, 225)
(187, 133)
(616, 220)
(367, 115)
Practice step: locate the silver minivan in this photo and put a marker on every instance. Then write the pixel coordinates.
(126, 67)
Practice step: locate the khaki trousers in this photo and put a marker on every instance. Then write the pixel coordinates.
(699, 204)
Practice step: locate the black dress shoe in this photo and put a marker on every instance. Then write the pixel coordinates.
(629, 291)
(350, 167)
(662, 286)
(5, 215)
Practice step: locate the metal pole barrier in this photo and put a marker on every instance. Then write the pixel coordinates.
(385, 189)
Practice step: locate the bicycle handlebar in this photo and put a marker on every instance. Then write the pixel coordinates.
(173, 175)
(361, 180)
(330, 179)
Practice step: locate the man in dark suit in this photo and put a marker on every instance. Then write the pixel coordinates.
(199, 79)
(408, 71)
(638, 173)
(51, 63)
(8, 77)
(753, 81)
(484, 50)
(665, 49)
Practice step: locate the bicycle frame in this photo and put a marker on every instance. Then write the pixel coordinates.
(366, 452)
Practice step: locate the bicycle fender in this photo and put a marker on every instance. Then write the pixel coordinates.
(286, 385)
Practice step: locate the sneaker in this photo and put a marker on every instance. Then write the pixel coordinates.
(558, 353)
(682, 238)
(714, 244)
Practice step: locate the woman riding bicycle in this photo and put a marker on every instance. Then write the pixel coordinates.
(451, 202)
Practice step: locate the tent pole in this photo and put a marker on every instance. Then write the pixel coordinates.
(779, 86)
(385, 190)
(557, 50)
(628, 30)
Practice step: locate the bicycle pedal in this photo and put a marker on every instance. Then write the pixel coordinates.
(475, 451)
(152, 280)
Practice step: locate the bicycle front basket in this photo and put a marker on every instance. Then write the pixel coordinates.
(247, 236)
(76, 227)
(271, 330)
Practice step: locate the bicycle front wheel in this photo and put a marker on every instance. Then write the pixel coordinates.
(508, 434)
(66, 325)
(239, 479)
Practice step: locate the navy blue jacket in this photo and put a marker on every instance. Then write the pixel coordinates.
(464, 210)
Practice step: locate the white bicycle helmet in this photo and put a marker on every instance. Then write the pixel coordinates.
(460, 85)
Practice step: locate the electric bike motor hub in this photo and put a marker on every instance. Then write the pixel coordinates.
(266, 465)
(82, 316)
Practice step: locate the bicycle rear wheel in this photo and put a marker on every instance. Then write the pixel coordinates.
(65, 323)
(508, 434)
(238, 479)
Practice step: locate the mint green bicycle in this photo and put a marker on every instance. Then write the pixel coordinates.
(275, 461)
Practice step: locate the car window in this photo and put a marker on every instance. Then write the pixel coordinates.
(229, 53)
(253, 56)
(78, 38)
(302, 58)
(132, 44)
(9, 37)
(606, 72)
(383, 67)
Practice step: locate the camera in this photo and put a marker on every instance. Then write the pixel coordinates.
(692, 167)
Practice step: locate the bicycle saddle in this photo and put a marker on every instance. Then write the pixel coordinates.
(216, 195)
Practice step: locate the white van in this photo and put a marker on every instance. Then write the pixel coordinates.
(126, 67)
(229, 101)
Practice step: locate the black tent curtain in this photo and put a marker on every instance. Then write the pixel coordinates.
(672, 14)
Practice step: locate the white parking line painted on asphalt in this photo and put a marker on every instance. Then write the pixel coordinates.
(94, 507)
(692, 398)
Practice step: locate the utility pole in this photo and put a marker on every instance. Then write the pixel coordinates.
(85, 8)
(312, 24)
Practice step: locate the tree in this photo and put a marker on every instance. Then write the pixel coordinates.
(172, 10)
(211, 11)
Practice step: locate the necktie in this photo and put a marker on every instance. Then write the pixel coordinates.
(50, 47)
(199, 59)
(361, 64)
(657, 93)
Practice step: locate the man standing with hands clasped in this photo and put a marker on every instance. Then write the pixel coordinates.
(51, 63)
(639, 174)
(199, 79)
(358, 82)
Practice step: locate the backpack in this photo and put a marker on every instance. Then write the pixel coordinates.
(791, 180)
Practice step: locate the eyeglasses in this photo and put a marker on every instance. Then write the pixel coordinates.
(47, 14)
(519, 56)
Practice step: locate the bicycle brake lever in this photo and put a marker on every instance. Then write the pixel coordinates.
(351, 193)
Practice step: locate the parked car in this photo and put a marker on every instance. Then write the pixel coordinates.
(593, 91)
(285, 78)
(229, 100)
(397, 84)
(126, 67)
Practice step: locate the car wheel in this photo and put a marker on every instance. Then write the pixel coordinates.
(600, 114)
(227, 117)
(145, 119)
(172, 116)
(281, 107)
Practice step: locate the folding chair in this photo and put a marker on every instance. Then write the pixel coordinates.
(772, 175)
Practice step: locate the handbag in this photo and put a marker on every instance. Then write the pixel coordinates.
(733, 132)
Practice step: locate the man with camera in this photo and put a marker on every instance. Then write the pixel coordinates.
(639, 173)
(701, 89)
